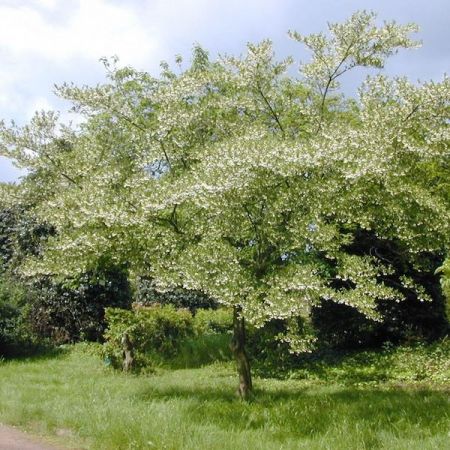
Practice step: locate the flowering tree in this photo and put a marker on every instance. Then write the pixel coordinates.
(235, 179)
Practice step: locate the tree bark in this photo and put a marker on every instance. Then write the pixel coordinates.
(238, 348)
(128, 353)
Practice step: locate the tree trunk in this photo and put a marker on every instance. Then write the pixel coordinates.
(238, 348)
(128, 353)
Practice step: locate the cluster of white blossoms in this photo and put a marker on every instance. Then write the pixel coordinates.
(237, 179)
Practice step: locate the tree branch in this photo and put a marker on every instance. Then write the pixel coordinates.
(272, 111)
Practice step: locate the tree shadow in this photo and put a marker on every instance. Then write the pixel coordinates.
(312, 412)
(346, 366)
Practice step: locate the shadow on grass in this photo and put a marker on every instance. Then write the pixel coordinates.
(320, 365)
(313, 412)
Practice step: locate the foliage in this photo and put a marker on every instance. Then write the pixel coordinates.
(147, 294)
(412, 318)
(21, 235)
(210, 342)
(153, 331)
(445, 280)
(210, 321)
(238, 180)
(70, 313)
(425, 363)
(62, 310)
(419, 363)
(200, 350)
(267, 354)
(339, 326)
(6, 241)
(13, 331)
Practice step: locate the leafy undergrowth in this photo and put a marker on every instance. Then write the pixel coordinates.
(418, 365)
(394, 399)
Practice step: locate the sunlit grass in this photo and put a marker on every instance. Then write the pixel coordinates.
(75, 396)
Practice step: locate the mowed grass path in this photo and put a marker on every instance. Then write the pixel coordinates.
(74, 397)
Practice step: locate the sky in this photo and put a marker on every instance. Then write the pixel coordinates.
(48, 42)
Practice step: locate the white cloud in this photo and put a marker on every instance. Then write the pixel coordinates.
(87, 29)
(7, 94)
(47, 41)
(38, 104)
(48, 4)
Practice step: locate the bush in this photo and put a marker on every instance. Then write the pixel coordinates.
(269, 355)
(445, 282)
(146, 294)
(213, 321)
(60, 312)
(411, 320)
(421, 363)
(76, 312)
(14, 336)
(201, 350)
(342, 327)
(154, 332)
(7, 227)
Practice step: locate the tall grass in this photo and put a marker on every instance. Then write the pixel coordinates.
(74, 396)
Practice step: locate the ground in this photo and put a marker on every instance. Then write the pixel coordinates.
(13, 439)
(399, 400)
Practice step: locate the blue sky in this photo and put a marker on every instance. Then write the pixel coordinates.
(43, 42)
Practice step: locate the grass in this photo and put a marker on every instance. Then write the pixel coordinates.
(362, 401)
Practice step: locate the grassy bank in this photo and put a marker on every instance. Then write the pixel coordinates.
(366, 400)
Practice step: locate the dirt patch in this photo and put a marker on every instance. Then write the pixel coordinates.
(13, 439)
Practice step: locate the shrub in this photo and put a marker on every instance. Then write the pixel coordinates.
(146, 294)
(269, 355)
(76, 312)
(213, 321)
(200, 350)
(154, 332)
(61, 312)
(411, 320)
(340, 326)
(13, 332)
(445, 282)
(421, 363)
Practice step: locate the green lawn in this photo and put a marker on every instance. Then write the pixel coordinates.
(359, 402)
